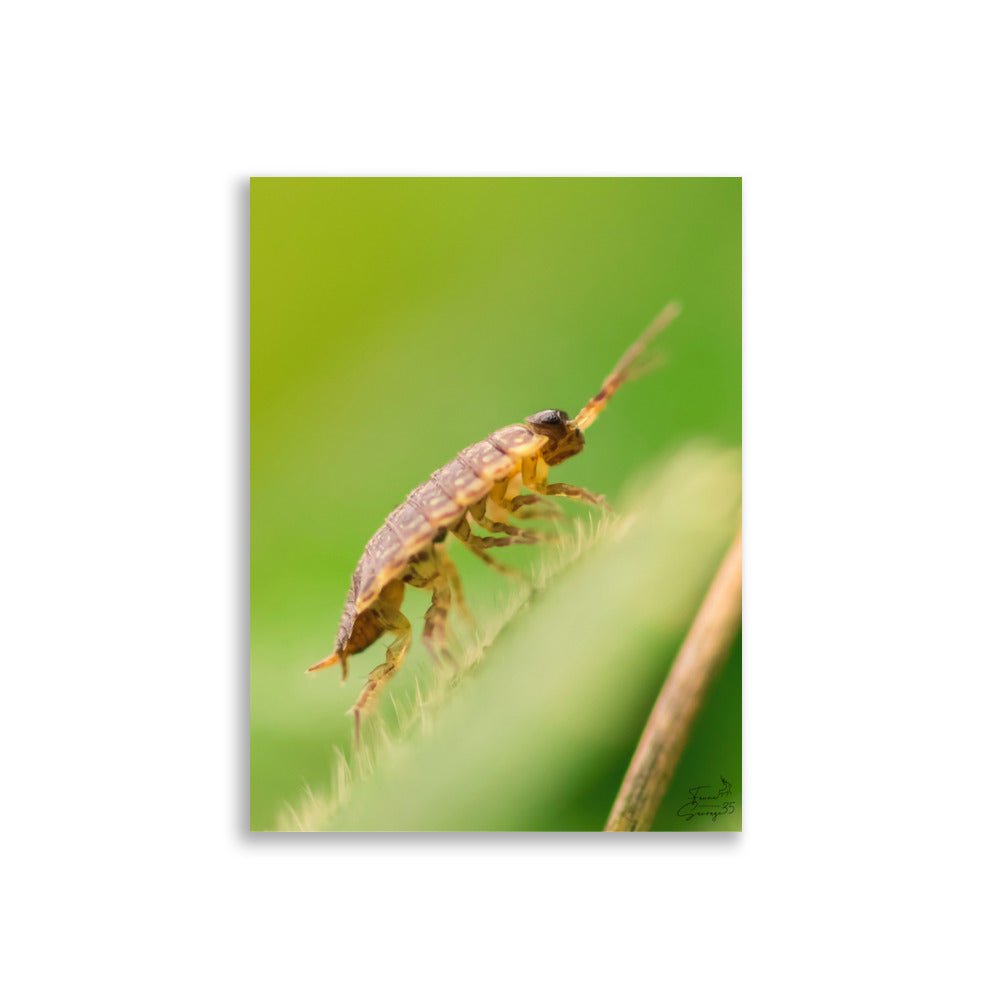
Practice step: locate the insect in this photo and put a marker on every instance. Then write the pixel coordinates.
(481, 485)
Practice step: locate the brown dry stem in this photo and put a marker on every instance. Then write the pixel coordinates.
(666, 733)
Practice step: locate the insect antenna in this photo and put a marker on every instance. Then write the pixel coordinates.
(630, 367)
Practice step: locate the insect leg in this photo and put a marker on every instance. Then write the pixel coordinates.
(477, 547)
(565, 490)
(397, 623)
(478, 514)
(537, 507)
(450, 571)
(507, 501)
(432, 570)
(435, 634)
(536, 482)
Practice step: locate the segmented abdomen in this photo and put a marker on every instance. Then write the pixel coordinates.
(440, 503)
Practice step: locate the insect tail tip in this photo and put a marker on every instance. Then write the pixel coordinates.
(328, 662)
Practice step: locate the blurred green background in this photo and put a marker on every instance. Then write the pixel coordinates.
(395, 321)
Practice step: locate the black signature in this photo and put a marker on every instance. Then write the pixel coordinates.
(707, 801)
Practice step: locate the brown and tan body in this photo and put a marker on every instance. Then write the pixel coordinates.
(481, 485)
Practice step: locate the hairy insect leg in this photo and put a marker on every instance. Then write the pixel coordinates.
(435, 622)
(505, 502)
(432, 571)
(532, 506)
(478, 514)
(565, 490)
(397, 623)
(477, 546)
(536, 474)
(450, 571)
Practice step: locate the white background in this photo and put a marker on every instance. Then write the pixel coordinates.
(865, 134)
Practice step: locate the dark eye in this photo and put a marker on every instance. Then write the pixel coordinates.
(549, 417)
